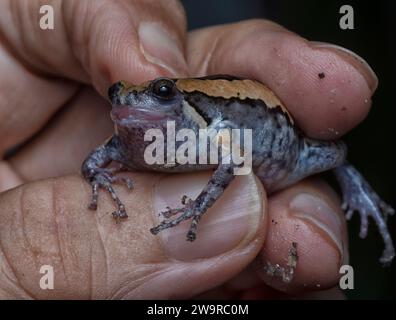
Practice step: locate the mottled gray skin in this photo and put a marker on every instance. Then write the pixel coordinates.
(282, 155)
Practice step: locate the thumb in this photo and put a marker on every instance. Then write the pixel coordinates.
(92, 256)
(127, 40)
(93, 42)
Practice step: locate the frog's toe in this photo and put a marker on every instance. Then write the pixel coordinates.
(120, 213)
(104, 180)
(387, 256)
(191, 235)
(363, 225)
(192, 232)
(185, 213)
(128, 182)
(367, 203)
(169, 212)
(386, 209)
(348, 212)
(123, 180)
(93, 205)
(359, 196)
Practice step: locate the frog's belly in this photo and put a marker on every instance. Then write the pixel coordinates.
(271, 174)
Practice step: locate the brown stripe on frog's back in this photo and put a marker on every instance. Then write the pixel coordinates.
(239, 89)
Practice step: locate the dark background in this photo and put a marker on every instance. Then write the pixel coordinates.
(371, 145)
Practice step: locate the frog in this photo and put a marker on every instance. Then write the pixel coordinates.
(281, 153)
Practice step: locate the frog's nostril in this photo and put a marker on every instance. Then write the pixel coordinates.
(114, 91)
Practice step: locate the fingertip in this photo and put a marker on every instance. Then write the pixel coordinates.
(309, 215)
(136, 47)
(354, 59)
(326, 92)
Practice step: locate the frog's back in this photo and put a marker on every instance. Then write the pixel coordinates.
(244, 103)
(224, 90)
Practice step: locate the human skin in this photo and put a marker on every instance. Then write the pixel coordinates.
(52, 89)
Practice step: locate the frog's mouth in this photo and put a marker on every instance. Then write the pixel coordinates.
(128, 114)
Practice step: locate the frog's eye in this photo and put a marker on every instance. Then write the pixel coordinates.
(164, 88)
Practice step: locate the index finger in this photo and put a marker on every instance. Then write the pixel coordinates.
(326, 88)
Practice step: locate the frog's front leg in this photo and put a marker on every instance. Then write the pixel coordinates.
(194, 210)
(96, 171)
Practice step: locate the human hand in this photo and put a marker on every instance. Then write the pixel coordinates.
(96, 43)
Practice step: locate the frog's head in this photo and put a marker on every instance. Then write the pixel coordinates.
(151, 102)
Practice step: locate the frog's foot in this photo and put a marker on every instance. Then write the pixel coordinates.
(185, 213)
(104, 179)
(359, 196)
(169, 212)
(194, 210)
(367, 203)
(110, 175)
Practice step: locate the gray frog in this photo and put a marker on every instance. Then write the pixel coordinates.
(281, 154)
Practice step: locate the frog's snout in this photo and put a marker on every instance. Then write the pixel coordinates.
(114, 92)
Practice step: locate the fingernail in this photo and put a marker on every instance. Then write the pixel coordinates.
(315, 210)
(357, 61)
(232, 221)
(161, 48)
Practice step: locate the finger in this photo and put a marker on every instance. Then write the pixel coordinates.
(326, 88)
(9, 178)
(330, 294)
(245, 285)
(63, 145)
(265, 292)
(27, 101)
(100, 41)
(308, 214)
(248, 286)
(47, 223)
(95, 42)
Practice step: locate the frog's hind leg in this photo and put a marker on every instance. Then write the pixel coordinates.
(359, 196)
(317, 156)
(194, 210)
